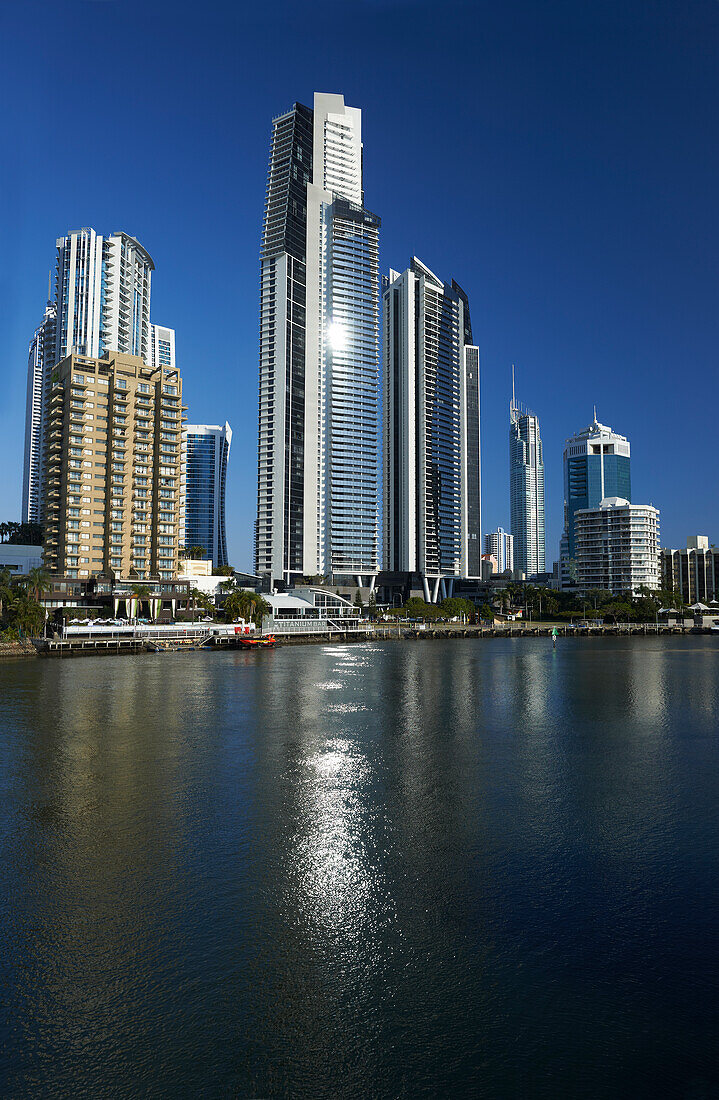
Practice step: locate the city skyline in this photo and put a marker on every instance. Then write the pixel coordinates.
(624, 362)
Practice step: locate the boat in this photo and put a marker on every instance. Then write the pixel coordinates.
(267, 642)
(714, 628)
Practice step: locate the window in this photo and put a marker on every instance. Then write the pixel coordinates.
(172, 390)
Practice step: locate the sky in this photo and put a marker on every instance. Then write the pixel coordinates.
(559, 160)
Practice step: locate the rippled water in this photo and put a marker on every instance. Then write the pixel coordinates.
(464, 868)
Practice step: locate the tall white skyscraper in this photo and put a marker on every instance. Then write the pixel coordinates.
(317, 508)
(500, 545)
(526, 489)
(41, 359)
(432, 492)
(101, 302)
(102, 295)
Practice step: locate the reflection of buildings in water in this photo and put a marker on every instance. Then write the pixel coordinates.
(111, 762)
(313, 722)
(645, 679)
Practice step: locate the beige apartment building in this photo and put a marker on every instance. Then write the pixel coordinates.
(113, 494)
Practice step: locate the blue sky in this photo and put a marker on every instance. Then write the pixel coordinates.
(559, 160)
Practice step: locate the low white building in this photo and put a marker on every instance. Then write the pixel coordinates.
(617, 546)
(20, 558)
(201, 577)
(310, 611)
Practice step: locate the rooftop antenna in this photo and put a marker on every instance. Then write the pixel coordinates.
(595, 414)
(49, 286)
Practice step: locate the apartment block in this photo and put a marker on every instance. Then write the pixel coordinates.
(113, 494)
(617, 546)
(694, 571)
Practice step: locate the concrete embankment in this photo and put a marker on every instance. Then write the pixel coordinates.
(410, 632)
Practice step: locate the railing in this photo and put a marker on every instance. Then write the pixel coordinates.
(156, 632)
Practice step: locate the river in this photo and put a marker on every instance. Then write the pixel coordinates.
(460, 868)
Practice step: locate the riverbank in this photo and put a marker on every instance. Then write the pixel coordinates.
(11, 651)
(84, 647)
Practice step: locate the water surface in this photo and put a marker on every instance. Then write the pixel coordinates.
(455, 868)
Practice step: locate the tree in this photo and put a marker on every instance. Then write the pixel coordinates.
(203, 600)
(372, 606)
(417, 608)
(141, 592)
(26, 616)
(224, 571)
(503, 598)
(454, 606)
(38, 581)
(358, 601)
(242, 603)
(486, 613)
(6, 592)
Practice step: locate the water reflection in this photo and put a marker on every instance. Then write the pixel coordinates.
(382, 870)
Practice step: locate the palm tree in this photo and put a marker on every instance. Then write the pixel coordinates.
(38, 580)
(6, 592)
(141, 592)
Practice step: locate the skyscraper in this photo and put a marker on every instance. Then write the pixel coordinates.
(317, 510)
(41, 359)
(101, 302)
(501, 546)
(596, 465)
(162, 346)
(102, 295)
(617, 546)
(526, 489)
(432, 497)
(208, 452)
(113, 499)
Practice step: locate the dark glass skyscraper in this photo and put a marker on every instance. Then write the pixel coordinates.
(317, 495)
(596, 466)
(208, 452)
(432, 434)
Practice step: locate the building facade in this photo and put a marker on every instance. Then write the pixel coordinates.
(693, 572)
(596, 466)
(113, 492)
(162, 346)
(526, 490)
(207, 452)
(100, 303)
(41, 359)
(317, 507)
(102, 295)
(500, 545)
(617, 546)
(432, 495)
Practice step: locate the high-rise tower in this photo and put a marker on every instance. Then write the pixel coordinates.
(207, 454)
(101, 302)
(431, 429)
(41, 359)
(526, 488)
(317, 509)
(596, 466)
(102, 295)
